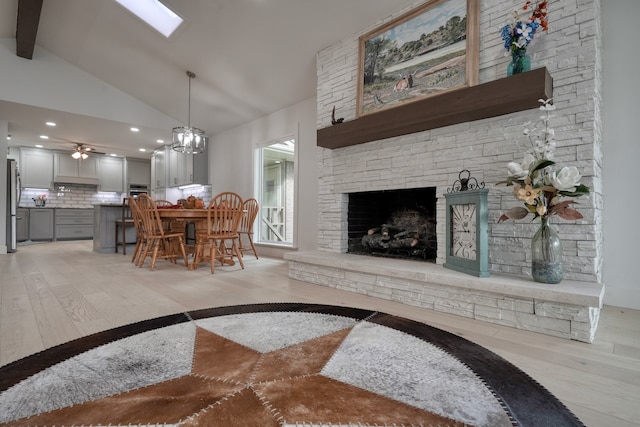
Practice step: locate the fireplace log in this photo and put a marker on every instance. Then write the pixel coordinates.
(407, 233)
(403, 243)
(390, 237)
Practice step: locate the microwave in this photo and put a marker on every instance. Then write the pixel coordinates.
(136, 190)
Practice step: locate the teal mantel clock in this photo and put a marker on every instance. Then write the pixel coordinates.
(467, 232)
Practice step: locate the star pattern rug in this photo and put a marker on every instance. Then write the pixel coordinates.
(266, 365)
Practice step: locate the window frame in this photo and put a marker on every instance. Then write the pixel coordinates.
(258, 172)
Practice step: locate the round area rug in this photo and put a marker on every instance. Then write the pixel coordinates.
(265, 365)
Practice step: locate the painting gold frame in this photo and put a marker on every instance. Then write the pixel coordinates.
(425, 52)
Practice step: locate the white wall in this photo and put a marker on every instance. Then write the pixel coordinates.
(47, 81)
(621, 147)
(231, 155)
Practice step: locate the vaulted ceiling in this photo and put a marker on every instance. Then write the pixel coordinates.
(250, 57)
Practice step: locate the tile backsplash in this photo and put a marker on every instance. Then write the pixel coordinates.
(86, 196)
(69, 196)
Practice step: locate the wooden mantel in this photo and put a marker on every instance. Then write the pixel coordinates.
(508, 95)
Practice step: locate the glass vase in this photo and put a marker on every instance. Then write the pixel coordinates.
(546, 255)
(520, 62)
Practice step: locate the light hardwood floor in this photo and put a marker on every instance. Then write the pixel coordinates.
(54, 292)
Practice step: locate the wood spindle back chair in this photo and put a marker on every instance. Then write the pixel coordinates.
(139, 226)
(162, 243)
(250, 210)
(223, 217)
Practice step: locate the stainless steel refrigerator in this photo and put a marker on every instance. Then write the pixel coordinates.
(13, 198)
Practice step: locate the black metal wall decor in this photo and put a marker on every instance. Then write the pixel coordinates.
(465, 182)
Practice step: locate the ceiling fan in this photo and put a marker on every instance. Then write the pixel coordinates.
(82, 152)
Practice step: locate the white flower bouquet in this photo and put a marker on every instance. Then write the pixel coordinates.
(538, 181)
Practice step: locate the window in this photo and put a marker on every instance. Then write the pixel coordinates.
(154, 13)
(275, 172)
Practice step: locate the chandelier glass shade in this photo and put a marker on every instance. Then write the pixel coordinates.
(79, 154)
(187, 139)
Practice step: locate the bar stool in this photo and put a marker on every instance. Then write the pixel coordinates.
(122, 224)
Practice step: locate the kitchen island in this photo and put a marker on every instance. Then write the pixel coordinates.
(104, 227)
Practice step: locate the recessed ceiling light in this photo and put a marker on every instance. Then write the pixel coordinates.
(9, 136)
(154, 13)
(160, 141)
(44, 137)
(52, 124)
(113, 155)
(142, 149)
(135, 130)
(39, 145)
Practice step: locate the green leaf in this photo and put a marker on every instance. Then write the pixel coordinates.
(510, 180)
(581, 190)
(541, 164)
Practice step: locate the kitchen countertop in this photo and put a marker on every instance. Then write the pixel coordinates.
(57, 207)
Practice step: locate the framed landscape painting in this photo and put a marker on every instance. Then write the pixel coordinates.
(425, 52)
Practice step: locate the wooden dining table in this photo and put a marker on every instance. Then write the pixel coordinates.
(178, 218)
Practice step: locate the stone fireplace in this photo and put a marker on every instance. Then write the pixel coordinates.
(432, 158)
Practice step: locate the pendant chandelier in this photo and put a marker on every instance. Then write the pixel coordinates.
(189, 140)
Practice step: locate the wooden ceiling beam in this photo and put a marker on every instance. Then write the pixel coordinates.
(27, 27)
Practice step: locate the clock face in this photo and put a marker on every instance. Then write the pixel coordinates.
(463, 231)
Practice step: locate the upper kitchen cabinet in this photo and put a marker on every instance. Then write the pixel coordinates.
(111, 174)
(187, 169)
(36, 168)
(68, 170)
(158, 169)
(138, 172)
(172, 169)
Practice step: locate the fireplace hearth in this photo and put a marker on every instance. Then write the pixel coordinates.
(393, 223)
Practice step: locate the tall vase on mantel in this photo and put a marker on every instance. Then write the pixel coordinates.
(520, 61)
(546, 255)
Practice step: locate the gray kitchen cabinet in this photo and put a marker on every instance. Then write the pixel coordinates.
(111, 174)
(22, 224)
(36, 168)
(158, 169)
(69, 170)
(41, 224)
(138, 172)
(74, 224)
(187, 169)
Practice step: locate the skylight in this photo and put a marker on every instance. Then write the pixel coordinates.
(154, 13)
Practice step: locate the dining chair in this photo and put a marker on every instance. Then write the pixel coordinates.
(161, 243)
(245, 228)
(124, 222)
(223, 217)
(162, 203)
(139, 226)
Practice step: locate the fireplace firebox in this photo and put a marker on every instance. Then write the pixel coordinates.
(393, 223)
